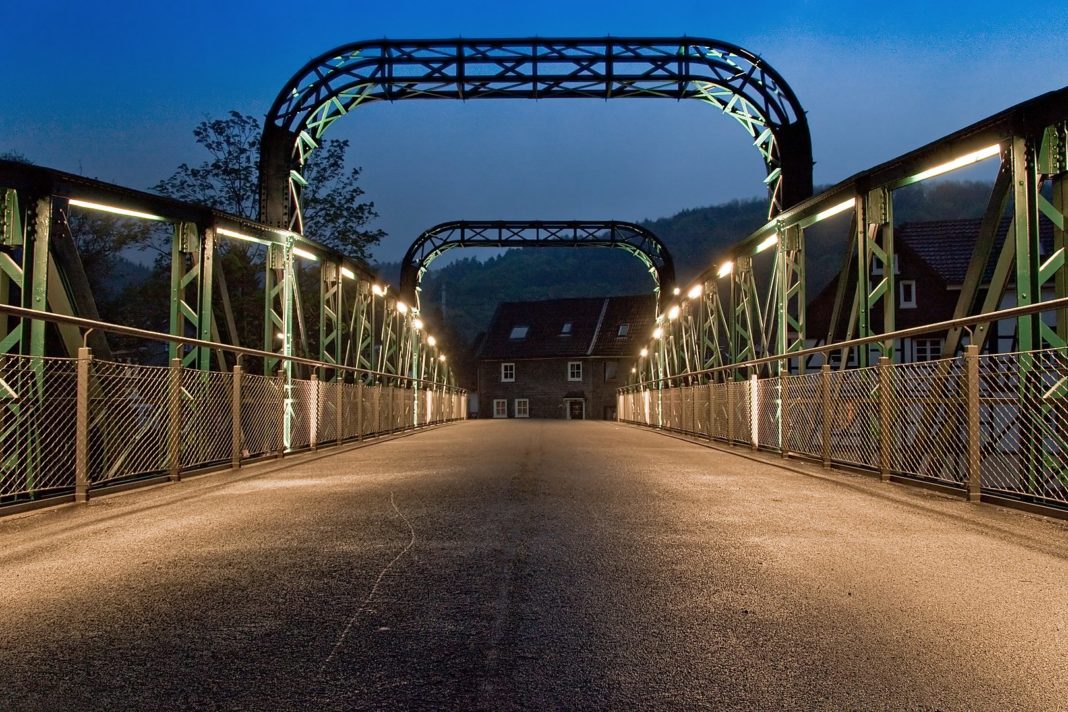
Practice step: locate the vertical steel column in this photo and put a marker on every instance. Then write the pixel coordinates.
(280, 384)
(972, 405)
(886, 443)
(875, 232)
(235, 416)
(81, 437)
(331, 325)
(791, 305)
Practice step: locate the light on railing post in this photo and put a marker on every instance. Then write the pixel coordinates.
(81, 442)
(280, 381)
(313, 413)
(784, 411)
(825, 414)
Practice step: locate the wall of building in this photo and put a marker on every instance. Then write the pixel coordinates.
(544, 383)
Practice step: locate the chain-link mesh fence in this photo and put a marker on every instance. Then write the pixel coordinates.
(720, 411)
(207, 417)
(261, 415)
(803, 419)
(768, 413)
(854, 414)
(130, 408)
(700, 409)
(928, 420)
(1023, 403)
(37, 425)
(739, 392)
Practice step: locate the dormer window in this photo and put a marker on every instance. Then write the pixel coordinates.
(624, 329)
(519, 333)
(565, 330)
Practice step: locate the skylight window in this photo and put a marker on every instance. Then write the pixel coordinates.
(519, 332)
(565, 330)
(624, 329)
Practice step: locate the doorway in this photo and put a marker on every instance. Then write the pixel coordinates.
(575, 408)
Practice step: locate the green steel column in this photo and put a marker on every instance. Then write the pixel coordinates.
(1026, 237)
(876, 247)
(330, 323)
(791, 304)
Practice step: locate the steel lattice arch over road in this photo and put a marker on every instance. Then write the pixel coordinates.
(633, 239)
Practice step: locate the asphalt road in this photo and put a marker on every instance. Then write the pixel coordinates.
(533, 565)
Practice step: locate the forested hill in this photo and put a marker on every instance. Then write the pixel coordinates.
(470, 289)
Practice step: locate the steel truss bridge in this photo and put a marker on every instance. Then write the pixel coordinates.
(632, 239)
(372, 367)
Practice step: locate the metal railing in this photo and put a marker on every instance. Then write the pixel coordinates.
(69, 426)
(993, 425)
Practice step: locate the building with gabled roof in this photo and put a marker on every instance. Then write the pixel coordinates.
(561, 358)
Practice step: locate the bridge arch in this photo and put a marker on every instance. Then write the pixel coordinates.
(726, 76)
(631, 238)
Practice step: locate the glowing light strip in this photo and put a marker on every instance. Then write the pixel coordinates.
(725, 269)
(346, 272)
(965, 160)
(766, 243)
(695, 291)
(240, 236)
(305, 254)
(114, 210)
(834, 210)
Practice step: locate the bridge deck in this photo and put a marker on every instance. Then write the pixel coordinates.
(533, 564)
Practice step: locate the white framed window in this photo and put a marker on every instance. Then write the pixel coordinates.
(565, 330)
(877, 266)
(906, 290)
(519, 332)
(500, 408)
(927, 349)
(623, 330)
(522, 408)
(611, 371)
(507, 373)
(574, 370)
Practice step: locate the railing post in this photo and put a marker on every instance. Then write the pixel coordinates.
(359, 410)
(235, 417)
(784, 414)
(81, 443)
(339, 409)
(174, 419)
(754, 412)
(971, 375)
(711, 410)
(886, 412)
(825, 414)
(281, 381)
(730, 410)
(313, 430)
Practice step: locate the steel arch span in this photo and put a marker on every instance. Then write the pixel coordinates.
(726, 76)
(631, 238)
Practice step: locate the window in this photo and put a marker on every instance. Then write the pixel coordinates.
(907, 292)
(507, 373)
(611, 370)
(877, 266)
(565, 330)
(519, 332)
(624, 329)
(927, 349)
(522, 408)
(500, 408)
(574, 370)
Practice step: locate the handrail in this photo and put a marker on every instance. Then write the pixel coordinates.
(1025, 310)
(85, 323)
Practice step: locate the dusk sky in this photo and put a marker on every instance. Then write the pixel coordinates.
(113, 90)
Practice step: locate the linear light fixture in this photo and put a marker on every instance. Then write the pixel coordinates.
(240, 236)
(417, 324)
(673, 312)
(767, 243)
(380, 291)
(115, 210)
(432, 341)
(644, 352)
(965, 160)
(725, 269)
(346, 272)
(305, 254)
(401, 307)
(695, 291)
(834, 210)
(658, 332)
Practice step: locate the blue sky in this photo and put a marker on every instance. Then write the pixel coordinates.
(113, 89)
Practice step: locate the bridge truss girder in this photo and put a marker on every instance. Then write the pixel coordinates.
(629, 237)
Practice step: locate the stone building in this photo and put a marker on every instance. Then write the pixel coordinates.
(561, 358)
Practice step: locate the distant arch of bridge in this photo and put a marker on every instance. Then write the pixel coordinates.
(629, 237)
(724, 75)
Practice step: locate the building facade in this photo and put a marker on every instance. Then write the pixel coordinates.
(561, 358)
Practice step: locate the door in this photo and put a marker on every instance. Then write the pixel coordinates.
(576, 409)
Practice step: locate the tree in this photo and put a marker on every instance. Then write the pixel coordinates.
(332, 210)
